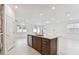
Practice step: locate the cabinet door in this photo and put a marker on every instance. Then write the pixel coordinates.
(37, 43)
(53, 46)
(34, 42)
(9, 33)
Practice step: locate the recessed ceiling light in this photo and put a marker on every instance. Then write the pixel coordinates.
(47, 22)
(68, 14)
(71, 18)
(53, 8)
(41, 14)
(16, 6)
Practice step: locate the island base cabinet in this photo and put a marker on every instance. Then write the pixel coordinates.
(44, 45)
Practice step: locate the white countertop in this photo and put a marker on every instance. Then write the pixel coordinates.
(49, 37)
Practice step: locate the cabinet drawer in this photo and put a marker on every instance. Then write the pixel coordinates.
(45, 52)
(44, 48)
(45, 41)
(44, 45)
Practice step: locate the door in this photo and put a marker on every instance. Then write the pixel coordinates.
(38, 44)
(34, 42)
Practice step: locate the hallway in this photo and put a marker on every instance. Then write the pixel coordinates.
(21, 48)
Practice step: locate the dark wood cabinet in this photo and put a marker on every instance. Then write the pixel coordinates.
(36, 43)
(43, 45)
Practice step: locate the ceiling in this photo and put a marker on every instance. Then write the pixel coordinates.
(43, 13)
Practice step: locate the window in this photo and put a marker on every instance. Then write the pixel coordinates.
(21, 28)
(38, 29)
(73, 27)
(24, 29)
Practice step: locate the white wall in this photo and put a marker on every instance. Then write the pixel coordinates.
(69, 43)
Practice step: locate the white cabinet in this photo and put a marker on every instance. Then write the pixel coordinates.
(9, 29)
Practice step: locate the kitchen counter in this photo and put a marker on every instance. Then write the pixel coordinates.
(47, 37)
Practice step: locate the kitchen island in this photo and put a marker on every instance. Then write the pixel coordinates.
(44, 45)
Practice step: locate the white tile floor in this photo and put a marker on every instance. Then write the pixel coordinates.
(21, 48)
